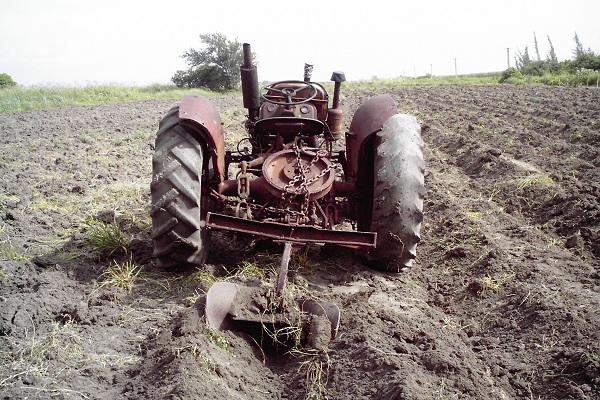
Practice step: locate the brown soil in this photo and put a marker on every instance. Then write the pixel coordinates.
(503, 301)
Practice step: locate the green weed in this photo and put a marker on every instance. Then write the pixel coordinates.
(193, 298)
(590, 357)
(121, 274)
(218, 340)
(102, 236)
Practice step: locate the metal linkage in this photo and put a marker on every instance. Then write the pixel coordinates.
(243, 209)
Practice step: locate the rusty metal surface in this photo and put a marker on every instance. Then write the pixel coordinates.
(281, 169)
(198, 114)
(225, 303)
(250, 88)
(293, 233)
(335, 122)
(283, 268)
(368, 119)
(321, 100)
(326, 308)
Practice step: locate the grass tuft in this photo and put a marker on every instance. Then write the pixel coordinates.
(102, 236)
(496, 282)
(121, 274)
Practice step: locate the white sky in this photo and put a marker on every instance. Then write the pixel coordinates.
(77, 42)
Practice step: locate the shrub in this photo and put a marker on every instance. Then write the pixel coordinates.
(207, 76)
(585, 77)
(6, 81)
(511, 73)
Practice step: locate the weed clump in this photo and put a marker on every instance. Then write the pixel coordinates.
(102, 236)
(121, 274)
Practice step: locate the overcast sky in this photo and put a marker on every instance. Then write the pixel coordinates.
(139, 42)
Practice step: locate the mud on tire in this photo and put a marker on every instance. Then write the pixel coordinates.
(177, 203)
(398, 191)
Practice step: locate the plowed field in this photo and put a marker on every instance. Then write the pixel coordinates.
(503, 301)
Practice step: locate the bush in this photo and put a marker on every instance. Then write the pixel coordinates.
(6, 81)
(207, 76)
(588, 61)
(513, 73)
(586, 77)
(537, 68)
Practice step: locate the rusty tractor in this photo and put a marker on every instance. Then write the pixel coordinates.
(293, 184)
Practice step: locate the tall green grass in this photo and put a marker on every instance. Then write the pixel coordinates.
(18, 98)
(581, 78)
(474, 79)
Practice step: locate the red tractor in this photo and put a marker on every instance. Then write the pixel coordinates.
(292, 185)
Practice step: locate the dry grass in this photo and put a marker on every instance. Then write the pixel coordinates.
(497, 281)
(543, 180)
(315, 369)
(27, 358)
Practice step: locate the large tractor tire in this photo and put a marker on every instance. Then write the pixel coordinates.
(177, 202)
(396, 203)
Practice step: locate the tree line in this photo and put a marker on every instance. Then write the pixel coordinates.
(583, 59)
(216, 65)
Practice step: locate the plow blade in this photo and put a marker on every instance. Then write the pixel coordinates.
(230, 306)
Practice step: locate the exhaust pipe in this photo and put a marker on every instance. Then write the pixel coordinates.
(250, 89)
(334, 114)
(308, 69)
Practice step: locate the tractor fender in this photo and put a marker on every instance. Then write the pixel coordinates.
(367, 120)
(199, 116)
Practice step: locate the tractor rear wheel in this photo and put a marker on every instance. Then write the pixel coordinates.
(177, 202)
(396, 203)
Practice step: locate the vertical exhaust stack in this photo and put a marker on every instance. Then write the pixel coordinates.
(308, 69)
(334, 114)
(250, 89)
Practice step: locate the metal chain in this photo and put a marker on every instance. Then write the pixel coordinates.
(322, 174)
(303, 189)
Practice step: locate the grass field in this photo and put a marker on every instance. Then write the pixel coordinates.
(19, 98)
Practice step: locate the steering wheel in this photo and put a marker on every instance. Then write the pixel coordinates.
(288, 93)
